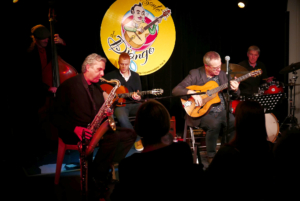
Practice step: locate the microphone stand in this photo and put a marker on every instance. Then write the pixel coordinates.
(227, 58)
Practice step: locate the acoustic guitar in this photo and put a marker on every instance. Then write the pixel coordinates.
(122, 93)
(137, 39)
(210, 96)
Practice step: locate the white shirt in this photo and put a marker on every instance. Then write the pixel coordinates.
(126, 78)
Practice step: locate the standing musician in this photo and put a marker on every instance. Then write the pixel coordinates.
(132, 82)
(213, 120)
(250, 86)
(37, 57)
(77, 102)
(39, 53)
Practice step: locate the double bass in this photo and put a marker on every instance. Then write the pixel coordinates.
(57, 71)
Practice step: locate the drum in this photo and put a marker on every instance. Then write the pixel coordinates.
(233, 104)
(273, 87)
(272, 126)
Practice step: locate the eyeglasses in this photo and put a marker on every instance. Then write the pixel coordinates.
(215, 68)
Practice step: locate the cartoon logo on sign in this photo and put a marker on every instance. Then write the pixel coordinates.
(137, 28)
(139, 35)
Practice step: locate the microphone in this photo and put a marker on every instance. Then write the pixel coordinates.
(227, 58)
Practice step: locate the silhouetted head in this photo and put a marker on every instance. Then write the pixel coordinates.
(250, 124)
(152, 122)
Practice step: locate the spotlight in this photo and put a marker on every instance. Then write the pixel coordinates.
(15, 1)
(242, 3)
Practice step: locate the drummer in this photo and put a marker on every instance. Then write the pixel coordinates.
(250, 86)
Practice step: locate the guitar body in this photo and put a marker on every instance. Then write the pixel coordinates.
(194, 110)
(122, 93)
(133, 40)
(107, 88)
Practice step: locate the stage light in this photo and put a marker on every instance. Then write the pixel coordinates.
(15, 1)
(242, 3)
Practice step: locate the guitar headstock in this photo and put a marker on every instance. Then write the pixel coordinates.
(157, 92)
(256, 73)
(166, 12)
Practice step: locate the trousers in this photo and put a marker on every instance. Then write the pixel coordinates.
(212, 123)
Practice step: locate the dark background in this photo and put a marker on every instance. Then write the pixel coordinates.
(200, 27)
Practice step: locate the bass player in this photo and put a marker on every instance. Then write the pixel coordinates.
(215, 118)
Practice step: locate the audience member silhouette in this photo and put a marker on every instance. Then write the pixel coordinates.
(164, 170)
(287, 166)
(244, 167)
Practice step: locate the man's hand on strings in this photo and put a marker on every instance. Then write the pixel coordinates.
(135, 96)
(78, 131)
(197, 98)
(234, 85)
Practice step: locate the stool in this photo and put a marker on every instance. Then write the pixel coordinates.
(195, 146)
(62, 147)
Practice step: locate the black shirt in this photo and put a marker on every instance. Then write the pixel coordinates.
(250, 86)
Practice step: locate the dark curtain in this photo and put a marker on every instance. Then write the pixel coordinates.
(201, 26)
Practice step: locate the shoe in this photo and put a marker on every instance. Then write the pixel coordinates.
(139, 146)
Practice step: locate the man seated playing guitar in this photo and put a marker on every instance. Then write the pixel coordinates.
(132, 82)
(215, 118)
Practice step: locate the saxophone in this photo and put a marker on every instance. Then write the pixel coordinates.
(96, 127)
(86, 147)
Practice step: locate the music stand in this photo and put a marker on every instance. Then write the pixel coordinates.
(267, 101)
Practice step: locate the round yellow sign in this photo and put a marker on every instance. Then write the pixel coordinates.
(142, 28)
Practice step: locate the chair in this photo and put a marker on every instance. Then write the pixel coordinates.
(62, 147)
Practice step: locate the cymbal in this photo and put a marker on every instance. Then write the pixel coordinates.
(236, 70)
(290, 68)
(270, 78)
(291, 84)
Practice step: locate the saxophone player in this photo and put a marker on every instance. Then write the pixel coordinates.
(76, 104)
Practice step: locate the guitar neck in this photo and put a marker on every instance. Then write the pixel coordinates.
(153, 22)
(140, 93)
(225, 86)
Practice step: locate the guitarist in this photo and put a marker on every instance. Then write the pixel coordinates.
(131, 80)
(215, 118)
